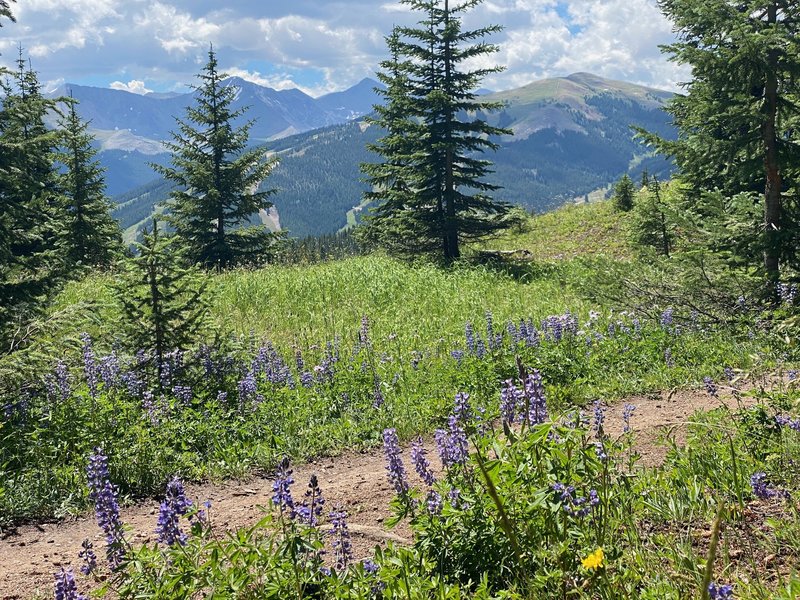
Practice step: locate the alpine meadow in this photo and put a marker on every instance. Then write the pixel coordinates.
(363, 301)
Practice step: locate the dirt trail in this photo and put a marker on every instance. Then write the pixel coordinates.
(30, 555)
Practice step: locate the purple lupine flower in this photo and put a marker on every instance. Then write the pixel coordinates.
(458, 355)
(370, 567)
(310, 510)
(729, 374)
(533, 339)
(421, 464)
(174, 506)
(522, 332)
(480, 348)
(627, 413)
(761, 489)
(792, 375)
(469, 334)
(88, 557)
(600, 451)
(222, 397)
(150, 406)
(490, 336)
(787, 293)
(452, 444)
(711, 387)
(785, 421)
(454, 497)
(377, 394)
(512, 331)
(510, 398)
(183, 393)
(363, 333)
(668, 360)
(306, 379)
(133, 383)
(433, 503)
(281, 492)
(299, 362)
(109, 370)
(90, 369)
(599, 418)
(394, 463)
(248, 391)
(66, 588)
(61, 380)
(342, 547)
(104, 496)
(666, 319)
(573, 505)
(463, 411)
(720, 591)
(537, 402)
(168, 527)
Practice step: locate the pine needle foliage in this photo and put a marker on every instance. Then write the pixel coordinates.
(218, 179)
(93, 236)
(31, 238)
(5, 11)
(739, 117)
(163, 300)
(430, 190)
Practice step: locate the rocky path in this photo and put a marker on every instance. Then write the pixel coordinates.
(30, 555)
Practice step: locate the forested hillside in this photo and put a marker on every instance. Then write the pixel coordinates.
(574, 137)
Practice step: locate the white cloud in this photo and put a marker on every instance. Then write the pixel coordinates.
(135, 86)
(327, 45)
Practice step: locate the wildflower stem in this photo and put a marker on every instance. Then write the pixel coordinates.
(712, 551)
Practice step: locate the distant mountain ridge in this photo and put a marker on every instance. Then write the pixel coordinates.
(274, 112)
(572, 136)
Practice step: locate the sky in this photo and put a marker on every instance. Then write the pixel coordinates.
(321, 46)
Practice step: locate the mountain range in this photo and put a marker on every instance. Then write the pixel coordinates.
(572, 136)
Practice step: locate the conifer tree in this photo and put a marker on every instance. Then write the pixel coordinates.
(439, 198)
(31, 253)
(651, 224)
(218, 179)
(395, 223)
(93, 236)
(163, 300)
(739, 118)
(623, 194)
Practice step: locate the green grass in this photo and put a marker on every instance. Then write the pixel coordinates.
(575, 230)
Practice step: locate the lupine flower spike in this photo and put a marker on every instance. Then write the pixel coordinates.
(66, 589)
(394, 463)
(106, 508)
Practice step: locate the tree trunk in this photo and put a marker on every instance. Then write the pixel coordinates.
(452, 251)
(772, 193)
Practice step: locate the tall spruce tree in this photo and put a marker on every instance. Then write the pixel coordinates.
(163, 300)
(31, 252)
(431, 192)
(93, 236)
(739, 119)
(218, 179)
(395, 223)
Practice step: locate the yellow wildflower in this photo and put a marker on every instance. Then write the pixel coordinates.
(594, 560)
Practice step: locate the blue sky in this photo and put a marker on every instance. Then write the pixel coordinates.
(322, 45)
